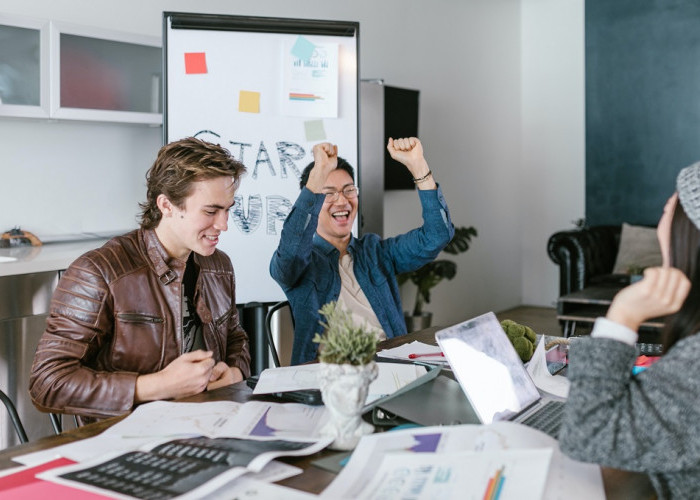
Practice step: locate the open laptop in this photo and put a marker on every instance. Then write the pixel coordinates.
(494, 378)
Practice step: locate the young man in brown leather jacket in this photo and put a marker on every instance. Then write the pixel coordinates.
(151, 314)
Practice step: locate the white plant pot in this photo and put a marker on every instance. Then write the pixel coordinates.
(344, 390)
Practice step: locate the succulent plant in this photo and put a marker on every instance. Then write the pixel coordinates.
(343, 342)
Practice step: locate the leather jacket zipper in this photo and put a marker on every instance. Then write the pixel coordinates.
(139, 318)
(224, 318)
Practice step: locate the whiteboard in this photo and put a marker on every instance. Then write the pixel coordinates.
(267, 89)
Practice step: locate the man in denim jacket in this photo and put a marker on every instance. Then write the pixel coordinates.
(318, 260)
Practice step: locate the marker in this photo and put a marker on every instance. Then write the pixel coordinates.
(417, 355)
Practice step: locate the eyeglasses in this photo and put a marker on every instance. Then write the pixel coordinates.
(349, 192)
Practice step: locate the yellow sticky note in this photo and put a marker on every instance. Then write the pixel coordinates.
(249, 102)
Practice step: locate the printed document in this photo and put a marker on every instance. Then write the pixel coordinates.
(564, 478)
(187, 468)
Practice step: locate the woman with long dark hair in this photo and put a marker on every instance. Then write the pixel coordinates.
(649, 422)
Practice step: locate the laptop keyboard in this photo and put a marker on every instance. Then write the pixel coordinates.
(547, 419)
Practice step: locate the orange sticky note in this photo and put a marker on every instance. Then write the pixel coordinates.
(195, 63)
(248, 101)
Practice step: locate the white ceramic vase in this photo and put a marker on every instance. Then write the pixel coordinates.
(344, 390)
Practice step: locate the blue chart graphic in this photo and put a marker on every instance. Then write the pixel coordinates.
(427, 443)
(261, 428)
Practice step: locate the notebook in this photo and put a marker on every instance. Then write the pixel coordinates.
(493, 377)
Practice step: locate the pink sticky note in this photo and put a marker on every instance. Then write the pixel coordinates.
(195, 63)
(24, 484)
(54, 491)
(27, 476)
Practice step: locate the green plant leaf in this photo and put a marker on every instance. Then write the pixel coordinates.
(428, 276)
(460, 241)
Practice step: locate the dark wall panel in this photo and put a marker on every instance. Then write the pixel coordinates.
(642, 105)
(400, 120)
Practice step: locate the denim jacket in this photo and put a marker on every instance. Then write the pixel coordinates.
(306, 266)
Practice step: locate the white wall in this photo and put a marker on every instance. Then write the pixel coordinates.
(470, 124)
(479, 118)
(553, 133)
(49, 171)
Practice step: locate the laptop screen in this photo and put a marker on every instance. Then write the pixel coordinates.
(488, 368)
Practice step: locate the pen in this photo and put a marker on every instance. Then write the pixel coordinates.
(420, 355)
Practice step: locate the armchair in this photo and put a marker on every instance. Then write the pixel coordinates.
(585, 256)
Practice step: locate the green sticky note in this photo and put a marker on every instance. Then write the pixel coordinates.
(315, 130)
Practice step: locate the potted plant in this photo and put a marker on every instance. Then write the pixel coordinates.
(347, 368)
(431, 274)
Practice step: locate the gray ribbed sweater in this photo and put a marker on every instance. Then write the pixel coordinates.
(647, 423)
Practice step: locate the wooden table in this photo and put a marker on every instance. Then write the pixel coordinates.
(584, 306)
(618, 484)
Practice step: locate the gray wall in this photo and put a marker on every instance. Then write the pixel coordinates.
(501, 119)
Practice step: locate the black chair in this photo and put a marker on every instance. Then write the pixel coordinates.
(57, 422)
(14, 417)
(268, 328)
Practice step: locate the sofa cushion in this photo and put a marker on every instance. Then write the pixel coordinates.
(639, 247)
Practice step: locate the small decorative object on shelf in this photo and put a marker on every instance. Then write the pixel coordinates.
(18, 238)
(347, 368)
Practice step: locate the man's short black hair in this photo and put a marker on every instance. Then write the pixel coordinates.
(342, 164)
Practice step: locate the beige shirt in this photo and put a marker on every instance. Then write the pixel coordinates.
(354, 300)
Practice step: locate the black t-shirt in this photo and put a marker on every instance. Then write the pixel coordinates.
(191, 323)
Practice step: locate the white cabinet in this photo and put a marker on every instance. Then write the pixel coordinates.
(71, 72)
(104, 76)
(24, 67)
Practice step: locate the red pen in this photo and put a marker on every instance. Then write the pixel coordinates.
(416, 355)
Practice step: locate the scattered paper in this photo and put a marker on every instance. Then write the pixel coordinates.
(161, 420)
(247, 488)
(403, 351)
(459, 475)
(288, 378)
(289, 420)
(493, 439)
(190, 467)
(391, 378)
(545, 381)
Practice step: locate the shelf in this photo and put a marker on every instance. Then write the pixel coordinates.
(69, 72)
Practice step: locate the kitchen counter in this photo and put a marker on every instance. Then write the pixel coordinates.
(47, 257)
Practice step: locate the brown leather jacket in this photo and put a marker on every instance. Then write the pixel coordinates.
(116, 314)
